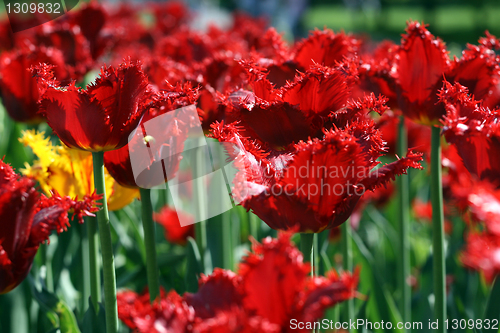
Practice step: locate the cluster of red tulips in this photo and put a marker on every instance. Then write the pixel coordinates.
(307, 124)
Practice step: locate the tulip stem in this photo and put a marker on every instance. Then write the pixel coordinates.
(307, 249)
(91, 242)
(108, 261)
(254, 224)
(346, 244)
(307, 243)
(404, 228)
(150, 243)
(200, 228)
(438, 230)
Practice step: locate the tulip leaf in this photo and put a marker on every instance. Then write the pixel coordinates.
(92, 322)
(66, 317)
(193, 268)
(492, 311)
(385, 303)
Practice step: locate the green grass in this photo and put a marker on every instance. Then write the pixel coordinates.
(454, 24)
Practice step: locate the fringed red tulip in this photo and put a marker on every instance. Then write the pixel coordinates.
(272, 287)
(317, 184)
(27, 220)
(101, 117)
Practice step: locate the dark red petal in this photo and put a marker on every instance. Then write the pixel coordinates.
(422, 62)
(77, 120)
(217, 292)
(272, 277)
(474, 131)
(174, 232)
(482, 253)
(483, 203)
(236, 320)
(324, 48)
(322, 293)
(382, 175)
(333, 167)
(171, 313)
(319, 91)
(478, 70)
(119, 92)
(18, 88)
(101, 118)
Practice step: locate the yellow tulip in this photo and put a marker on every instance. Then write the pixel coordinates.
(69, 171)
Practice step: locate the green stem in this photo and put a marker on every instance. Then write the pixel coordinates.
(404, 229)
(108, 261)
(306, 247)
(200, 228)
(227, 241)
(47, 258)
(438, 230)
(93, 260)
(347, 265)
(307, 243)
(150, 243)
(254, 222)
(315, 255)
(85, 287)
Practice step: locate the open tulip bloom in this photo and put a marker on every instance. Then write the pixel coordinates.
(27, 219)
(101, 117)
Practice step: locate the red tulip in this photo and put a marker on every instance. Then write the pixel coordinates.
(169, 143)
(18, 88)
(482, 253)
(474, 131)
(272, 287)
(26, 220)
(280, 117)
(101, 117)
(316, 184)
(174, 232)
(416, 69)
(324, 47)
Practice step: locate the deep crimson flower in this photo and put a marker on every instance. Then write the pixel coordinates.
(72, 45)
(277, 286)
(482, 253)
(174, 232)
(26, 220)
(169, 142)
(415, 71)
(101, 117)
(169, 16)
(474, 131)
(91, 18)
(280, 117)
(272, 287)
(482, 201)
(18, 88)
(324, 48)
(375, 72)
(315, 185)
(170, 314)
(423, 212)
(421, 62)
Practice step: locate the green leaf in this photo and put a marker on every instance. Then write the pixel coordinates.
(66, 317)
(194, 266)
(385, 303)
(493, 306)
(92, 322)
